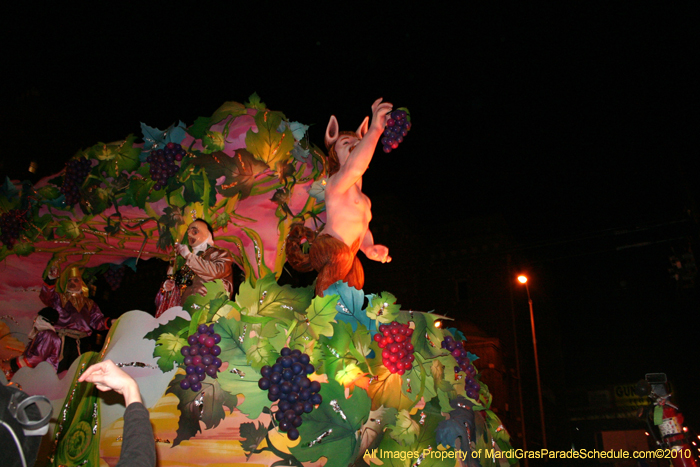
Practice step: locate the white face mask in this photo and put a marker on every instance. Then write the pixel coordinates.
(74, 285)
(198, 234)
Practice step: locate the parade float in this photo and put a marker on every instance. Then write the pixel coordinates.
(301, 379)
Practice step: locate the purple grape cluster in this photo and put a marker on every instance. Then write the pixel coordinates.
(114, 277)
(163, 165)
(397, 127)
(287, 382)
(11, 225)
(77, 171)
(456, 348)
(201, 357)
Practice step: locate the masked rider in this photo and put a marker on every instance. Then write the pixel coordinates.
(204, 262)
(79, 316)
(44, 344)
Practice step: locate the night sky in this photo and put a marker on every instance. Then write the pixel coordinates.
(577, 122)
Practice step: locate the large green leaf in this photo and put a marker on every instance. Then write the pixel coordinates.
(48, 192)
(176, 199)
(268, 144)
(168, 350)
(362, 341)
(418, 381)
(383, 308)
(116, 158)
(205, 406)
(138, 192)
(497, 430)
(209, 304)
(23, 248)
(95, 199)
(269, 299)
(42, 225)
(405, 429)
(221, 220)
(174, 326)
(373, 430)
(333, 352)
(484, 441)
(317, 320)
(385, 387)
(213, 141)
(239, 377)
(350, 302)
(276, 334)
(200, 127)
(173, 331)
(198, 189)
(69, 229)
(239, 171)
(427, 339)
(460, 426)
(331, 430)
(400, 391)
(260, 352)
(446, 383)
(252, 436)
(254, 102)
(423, 445)
(345, 348)
(228, 108)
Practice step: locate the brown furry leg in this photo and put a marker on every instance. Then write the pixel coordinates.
(332, 259)
(356, 276)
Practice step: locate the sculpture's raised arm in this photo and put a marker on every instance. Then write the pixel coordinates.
(355, 150)
(348, 211)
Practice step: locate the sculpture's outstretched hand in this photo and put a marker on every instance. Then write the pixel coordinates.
(380, 114)
(378, 253)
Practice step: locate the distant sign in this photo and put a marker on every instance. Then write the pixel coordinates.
(625, 396)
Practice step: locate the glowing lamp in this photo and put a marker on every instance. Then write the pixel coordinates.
(522, 279)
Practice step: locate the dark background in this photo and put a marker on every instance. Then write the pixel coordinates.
(575, 122)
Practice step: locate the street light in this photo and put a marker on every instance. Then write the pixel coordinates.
(523, 280)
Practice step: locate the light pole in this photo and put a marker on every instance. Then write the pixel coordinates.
(523, 432)
(523, 280)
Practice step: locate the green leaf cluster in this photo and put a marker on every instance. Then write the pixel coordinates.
(212, 179)
(268, 144)
(336, 423)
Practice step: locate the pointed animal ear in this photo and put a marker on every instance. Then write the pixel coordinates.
(362, 129)
(332, 132)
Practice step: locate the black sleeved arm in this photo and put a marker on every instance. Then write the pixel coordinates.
(138, 445)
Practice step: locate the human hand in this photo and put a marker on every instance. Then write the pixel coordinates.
(378, 253)
(182, 250)
(380, 114)
(169, 285)
(108, 376)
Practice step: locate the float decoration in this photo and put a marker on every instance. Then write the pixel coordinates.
(118, 209)
(252, 173)
(267, 317)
